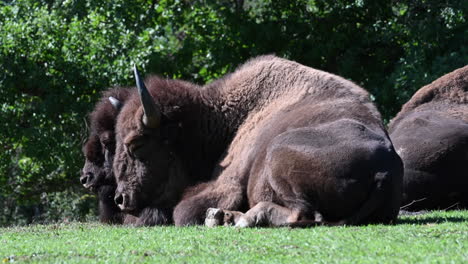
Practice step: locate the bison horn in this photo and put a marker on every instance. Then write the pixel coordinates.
(151, 116)
(115, 102)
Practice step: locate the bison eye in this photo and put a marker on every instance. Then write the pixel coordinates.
(107, 138)
(138, 148)
(108, 144)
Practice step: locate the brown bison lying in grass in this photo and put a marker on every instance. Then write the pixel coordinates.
(431, 135)
(99, 151)
(284, 143)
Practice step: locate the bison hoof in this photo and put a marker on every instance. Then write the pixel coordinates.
(214, 217)
(244, 222)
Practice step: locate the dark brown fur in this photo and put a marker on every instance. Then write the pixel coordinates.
(99, 151)
(285, 140)
(150, 164)
(431, 135)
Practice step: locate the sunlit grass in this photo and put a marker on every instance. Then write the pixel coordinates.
(436, 237)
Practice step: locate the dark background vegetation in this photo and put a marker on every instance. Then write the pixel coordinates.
(57, 56)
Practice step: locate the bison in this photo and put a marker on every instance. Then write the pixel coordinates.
(282, 142)
(99, 150)
(430, 134)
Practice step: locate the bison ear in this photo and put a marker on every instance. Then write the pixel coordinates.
(151, 116)
(115, 103)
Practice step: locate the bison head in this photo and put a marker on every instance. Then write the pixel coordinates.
(94, 163)
(99, 152)
(146, 165)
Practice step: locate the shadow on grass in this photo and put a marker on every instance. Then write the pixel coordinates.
(426, 217)
(432, 220)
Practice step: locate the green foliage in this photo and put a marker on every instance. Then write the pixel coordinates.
(438, 237)
(59, 206)
(58, 55)
(432, 36)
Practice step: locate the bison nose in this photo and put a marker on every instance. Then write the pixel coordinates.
(120, 200)
(87, 179)
(83, 180)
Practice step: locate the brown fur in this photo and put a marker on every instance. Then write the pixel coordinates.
(99, 151)
(273, 134)
(154, 182)
(431, 135)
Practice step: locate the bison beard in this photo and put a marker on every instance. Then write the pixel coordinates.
(284, 143)
(431, 135)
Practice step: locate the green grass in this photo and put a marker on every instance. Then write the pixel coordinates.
(436, 237)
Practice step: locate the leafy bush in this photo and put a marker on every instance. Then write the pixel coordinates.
(57, 56)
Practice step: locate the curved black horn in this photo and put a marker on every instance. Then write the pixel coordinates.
(115, 103)
(151, 115)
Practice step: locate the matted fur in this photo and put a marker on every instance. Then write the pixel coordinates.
(272, 131)
(430, 134)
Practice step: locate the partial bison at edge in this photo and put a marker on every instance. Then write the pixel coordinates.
(274, 143)
(431, 135)
(99, 150)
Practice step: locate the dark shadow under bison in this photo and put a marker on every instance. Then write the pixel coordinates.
(431, 135)
(275, 143)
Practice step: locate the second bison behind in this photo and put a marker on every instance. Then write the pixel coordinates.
(274, 143)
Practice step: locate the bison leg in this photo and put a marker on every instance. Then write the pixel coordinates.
(267, 214)
(192, 209)
(217, 217)
(262, 214)
(148, 217)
